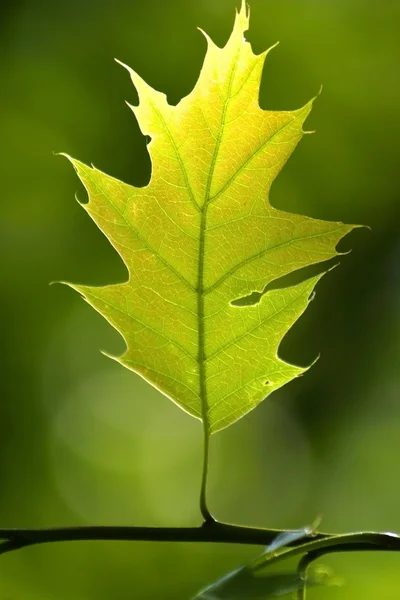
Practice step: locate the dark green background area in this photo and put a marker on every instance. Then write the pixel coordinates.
(85, 441)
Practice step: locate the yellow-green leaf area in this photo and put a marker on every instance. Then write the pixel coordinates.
(203, 234)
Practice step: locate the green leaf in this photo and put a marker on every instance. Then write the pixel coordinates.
(285, 538)
(202, 235)
(243, 584)
(255, 582)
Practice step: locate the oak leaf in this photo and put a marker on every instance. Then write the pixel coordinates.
(202, 234)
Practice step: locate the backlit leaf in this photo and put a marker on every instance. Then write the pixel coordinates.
(202, 235)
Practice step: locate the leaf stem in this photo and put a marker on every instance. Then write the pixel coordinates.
(302, 571)
(207, 516)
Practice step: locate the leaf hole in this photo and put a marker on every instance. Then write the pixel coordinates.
(283, 282)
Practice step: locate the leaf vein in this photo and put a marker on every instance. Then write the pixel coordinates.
(134, 318)
(250, 158)
(261, 254)
(140, 237)
(179, 159)
(250, 331)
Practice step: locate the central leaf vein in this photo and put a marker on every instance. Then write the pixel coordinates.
(202, 241)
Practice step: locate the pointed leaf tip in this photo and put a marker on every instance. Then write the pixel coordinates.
(242, 19)
(136, 79)
(245, 9)
(125, 66)
(205, 34)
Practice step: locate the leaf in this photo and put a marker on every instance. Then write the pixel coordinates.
(285, 538)
(242, 584)
(202, 234)
(249, 582)
(255, 581)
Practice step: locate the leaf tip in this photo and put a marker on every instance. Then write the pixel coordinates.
(315, 524)
(316, 359)
(241, 20)
(131, 106)
(75, 163)
(145, 91)
(331, 268)
(61, 282)
(244, 10)
(273, 46)
(108, 355)
(361, 227)
(310, 104)
(317, 95)
(205, 34)
(125, 66)
(137, 81)
(65, 155)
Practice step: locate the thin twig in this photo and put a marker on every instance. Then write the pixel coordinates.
(210, 532)
(302, 571)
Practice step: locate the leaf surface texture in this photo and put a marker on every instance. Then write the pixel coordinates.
(203, 234)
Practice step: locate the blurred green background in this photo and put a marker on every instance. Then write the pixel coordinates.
(85, 441)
